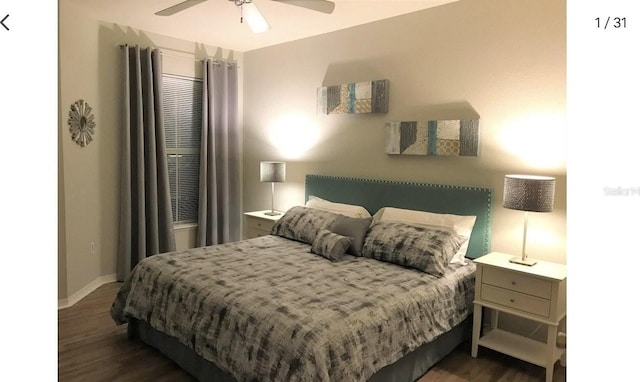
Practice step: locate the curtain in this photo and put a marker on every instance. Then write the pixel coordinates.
(146, 222)
(219, 208)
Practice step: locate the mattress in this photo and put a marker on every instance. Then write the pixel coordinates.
(269, 309)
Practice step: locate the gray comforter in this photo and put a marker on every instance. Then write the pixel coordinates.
(267, 309)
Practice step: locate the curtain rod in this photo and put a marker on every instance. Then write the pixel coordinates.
(215, 60)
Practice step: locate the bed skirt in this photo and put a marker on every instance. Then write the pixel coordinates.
(407, 369)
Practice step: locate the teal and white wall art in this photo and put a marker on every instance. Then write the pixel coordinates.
(433, 138)
(354, 98)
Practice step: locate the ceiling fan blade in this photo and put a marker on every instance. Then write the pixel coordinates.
(256, 21)
(178, 7)
(316, 5)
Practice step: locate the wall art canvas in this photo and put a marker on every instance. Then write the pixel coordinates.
(354, 98)
(433, 138)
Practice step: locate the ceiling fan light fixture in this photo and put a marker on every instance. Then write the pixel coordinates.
(254, 18)
(256, 21)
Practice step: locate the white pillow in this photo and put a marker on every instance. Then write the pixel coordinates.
(461, 225)
(338, 208)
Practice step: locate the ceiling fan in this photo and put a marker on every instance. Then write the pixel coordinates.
(250, 12)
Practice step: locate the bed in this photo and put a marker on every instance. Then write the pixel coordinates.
(308, 303)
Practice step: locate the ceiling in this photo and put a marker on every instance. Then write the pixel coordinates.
(217, 22)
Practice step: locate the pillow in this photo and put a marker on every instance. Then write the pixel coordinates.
(355, 228)
(303, 224)
(338, 208)
(330, 245)
(460, 225)
(412, 245)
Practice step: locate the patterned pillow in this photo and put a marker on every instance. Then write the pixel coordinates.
(355, 228)
(460, 225)
(303, 224)
(330, 245)
(413, 246)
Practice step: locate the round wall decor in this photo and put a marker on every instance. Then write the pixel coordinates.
(81, 124)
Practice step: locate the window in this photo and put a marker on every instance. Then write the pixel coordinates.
(182, 103)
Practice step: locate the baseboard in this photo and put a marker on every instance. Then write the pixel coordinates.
(85, 291)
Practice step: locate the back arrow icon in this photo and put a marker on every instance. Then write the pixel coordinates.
(2, 22)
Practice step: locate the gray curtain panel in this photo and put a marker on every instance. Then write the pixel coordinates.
(219, 209)
(146, 222)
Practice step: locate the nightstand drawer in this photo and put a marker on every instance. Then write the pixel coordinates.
(517, 282)
(261, 225)
(253, 233)
(515, 300)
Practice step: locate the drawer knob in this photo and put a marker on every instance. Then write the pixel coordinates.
(512, 300)
(513, 283)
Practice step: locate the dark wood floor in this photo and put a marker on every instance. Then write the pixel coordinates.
(92, 348)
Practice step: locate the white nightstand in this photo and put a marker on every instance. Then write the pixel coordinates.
(535, 292)
(257, 223)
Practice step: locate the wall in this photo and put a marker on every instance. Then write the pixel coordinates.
(89, 177)
(500, 60)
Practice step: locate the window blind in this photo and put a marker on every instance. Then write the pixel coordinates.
(182, 103)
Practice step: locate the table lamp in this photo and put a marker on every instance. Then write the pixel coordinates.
(272, 172)
(528, 193)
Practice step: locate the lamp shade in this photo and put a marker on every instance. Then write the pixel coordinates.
(273, 171)
(529, 193)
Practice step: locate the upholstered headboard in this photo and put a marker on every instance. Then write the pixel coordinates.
(375, 194)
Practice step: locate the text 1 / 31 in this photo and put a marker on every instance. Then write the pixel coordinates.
(611, 22)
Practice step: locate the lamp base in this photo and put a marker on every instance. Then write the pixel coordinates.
(518, 260)
(273, 213)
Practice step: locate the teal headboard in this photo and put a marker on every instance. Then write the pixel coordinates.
(375, 194)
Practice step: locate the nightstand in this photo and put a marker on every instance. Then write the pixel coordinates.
(535, 293)
(257, 223)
